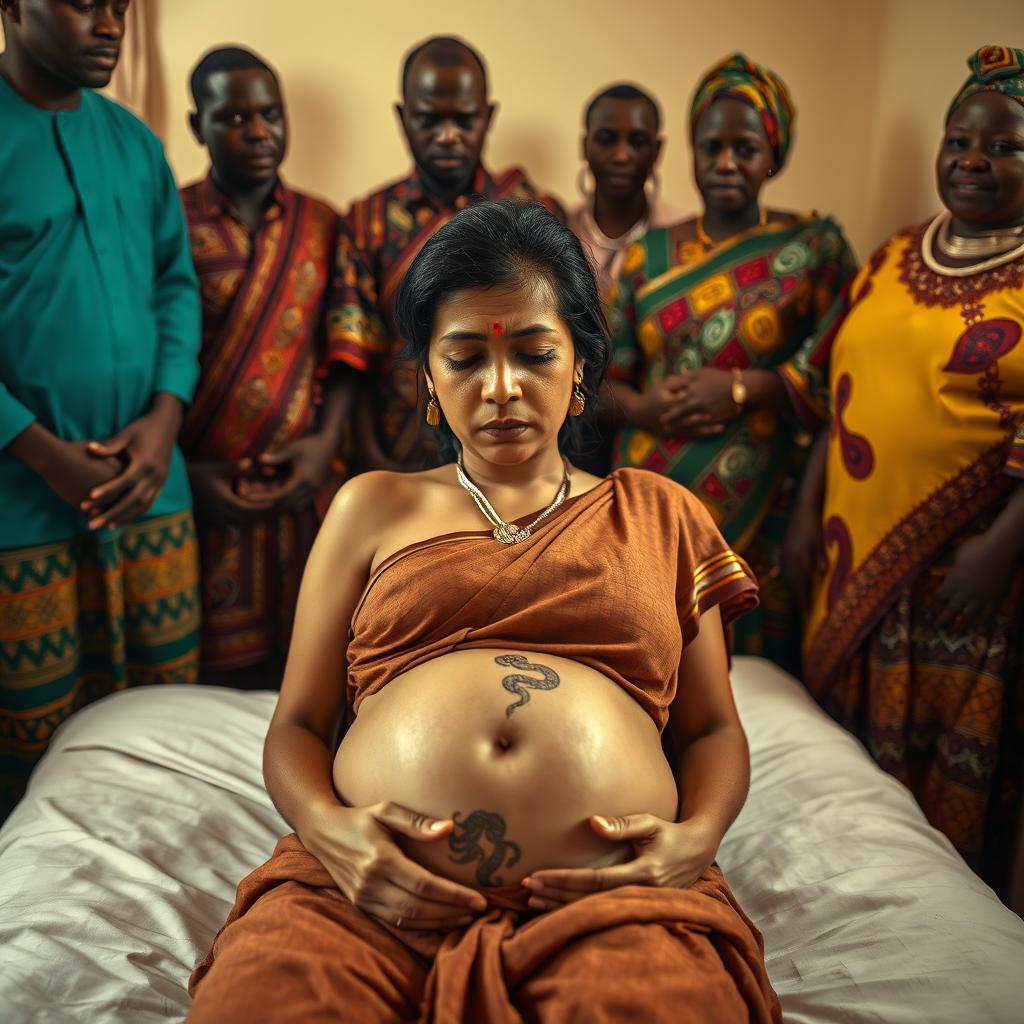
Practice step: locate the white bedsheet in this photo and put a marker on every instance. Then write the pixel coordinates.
(121, 863)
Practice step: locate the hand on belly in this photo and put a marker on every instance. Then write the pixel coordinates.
(519, 780)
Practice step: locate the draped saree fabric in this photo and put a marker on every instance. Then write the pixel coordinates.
(637, 562)
(679, 956)
(926, 444)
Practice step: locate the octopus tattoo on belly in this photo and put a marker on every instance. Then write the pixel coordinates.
(516, 683)
(466, 843)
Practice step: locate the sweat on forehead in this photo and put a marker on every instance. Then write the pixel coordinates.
(445, 52)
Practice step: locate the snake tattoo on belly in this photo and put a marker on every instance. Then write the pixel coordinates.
(516, 683)
(465, 843)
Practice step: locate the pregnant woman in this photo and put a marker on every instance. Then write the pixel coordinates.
(499, 835)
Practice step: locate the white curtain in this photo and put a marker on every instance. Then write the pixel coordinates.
(136, 81)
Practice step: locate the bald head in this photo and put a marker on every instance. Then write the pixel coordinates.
(442, 52)
(445, 113)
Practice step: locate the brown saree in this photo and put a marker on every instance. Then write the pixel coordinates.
(617, 580)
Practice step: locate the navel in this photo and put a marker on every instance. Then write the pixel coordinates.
(503, 743)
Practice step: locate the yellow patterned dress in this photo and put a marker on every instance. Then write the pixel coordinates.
(927, 378)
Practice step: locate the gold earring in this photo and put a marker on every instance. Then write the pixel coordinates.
(578, 401)
(433, 411)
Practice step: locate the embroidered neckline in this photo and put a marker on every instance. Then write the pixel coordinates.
(931, 289)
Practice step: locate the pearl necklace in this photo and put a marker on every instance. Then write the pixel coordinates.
(928, 254)
(509, 533)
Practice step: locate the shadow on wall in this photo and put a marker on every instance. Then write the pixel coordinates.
(897, 198)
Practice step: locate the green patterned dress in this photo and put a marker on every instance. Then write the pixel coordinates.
(763, 300)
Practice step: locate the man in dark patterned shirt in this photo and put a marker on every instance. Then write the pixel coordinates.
(445, 114)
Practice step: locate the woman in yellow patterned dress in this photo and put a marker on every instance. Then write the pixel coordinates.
(716, 325)
(915, 636)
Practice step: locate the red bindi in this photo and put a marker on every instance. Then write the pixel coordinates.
(496, 327)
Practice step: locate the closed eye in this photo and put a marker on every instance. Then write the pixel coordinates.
(460, 364)
(537, 357)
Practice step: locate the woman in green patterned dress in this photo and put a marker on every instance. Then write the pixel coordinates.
(717, 325)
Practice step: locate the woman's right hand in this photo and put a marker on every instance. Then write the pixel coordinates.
(213, 492)
(650, 408)
(76, 471)
(803, 553)
(357, 847)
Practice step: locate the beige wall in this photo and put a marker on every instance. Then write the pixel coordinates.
(871, 81)
(920, 54)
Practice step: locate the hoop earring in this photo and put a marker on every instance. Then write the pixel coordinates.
(581, 182)
(655, 191)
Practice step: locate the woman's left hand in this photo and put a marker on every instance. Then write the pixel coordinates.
(668, 855)
(977, 580)
(144, 447)
(705, 404)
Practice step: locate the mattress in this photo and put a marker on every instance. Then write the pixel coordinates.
(121, 863)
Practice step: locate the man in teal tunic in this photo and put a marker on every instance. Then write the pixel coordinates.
(99, 335)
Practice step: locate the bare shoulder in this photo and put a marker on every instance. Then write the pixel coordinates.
(370, 498)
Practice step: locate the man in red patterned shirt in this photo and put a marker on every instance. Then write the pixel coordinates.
(445, 116)
(274, 393)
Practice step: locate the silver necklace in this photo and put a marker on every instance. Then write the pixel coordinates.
(509, 533)
(928, 238)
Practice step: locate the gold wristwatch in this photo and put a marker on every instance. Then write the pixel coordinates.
(739, 389)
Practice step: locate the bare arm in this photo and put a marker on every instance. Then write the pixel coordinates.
(713, 764)
(297, 754)
(355, 844)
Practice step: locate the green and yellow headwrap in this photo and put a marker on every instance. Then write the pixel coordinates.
(737, 77)
(993, 69)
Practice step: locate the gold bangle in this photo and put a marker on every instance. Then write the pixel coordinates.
(739, 389)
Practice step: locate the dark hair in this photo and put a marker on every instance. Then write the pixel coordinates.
(501, 244)
(225, 58)
(623, 91)
(447, 51)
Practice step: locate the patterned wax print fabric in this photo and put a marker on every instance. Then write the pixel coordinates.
(263, 355)
(607, 259)
(993, 69)
(765, 300)
(390, 227)
(84, 617)
(738, 77)
(99, 310)
(926, 445)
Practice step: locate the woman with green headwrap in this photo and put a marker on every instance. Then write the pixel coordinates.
(915, 639)
(717, 324)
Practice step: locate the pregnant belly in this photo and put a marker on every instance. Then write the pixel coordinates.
(519, 749)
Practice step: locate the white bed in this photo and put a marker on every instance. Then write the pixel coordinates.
(121, 863)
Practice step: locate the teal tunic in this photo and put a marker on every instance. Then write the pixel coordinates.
(99, 306)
